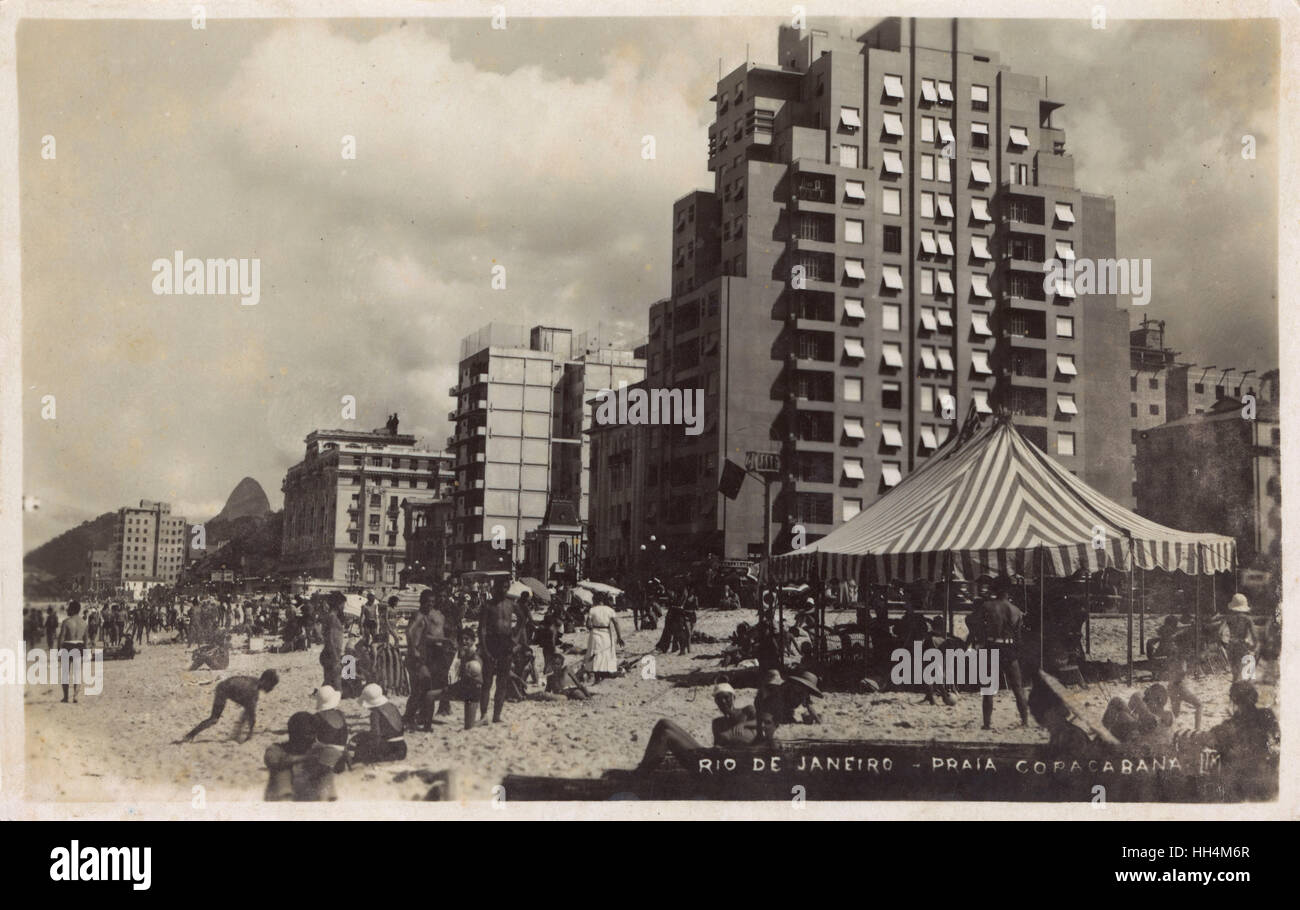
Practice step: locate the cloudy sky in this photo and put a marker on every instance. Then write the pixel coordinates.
(477, 147)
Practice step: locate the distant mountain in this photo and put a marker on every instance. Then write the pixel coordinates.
(247, 500)
(65, 555)
(249, 544)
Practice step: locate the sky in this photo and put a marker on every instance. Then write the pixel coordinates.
(475, 148)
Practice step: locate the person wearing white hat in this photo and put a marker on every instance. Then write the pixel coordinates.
(384, 741)
(735, 729)
(1237, 635)
(331, 725)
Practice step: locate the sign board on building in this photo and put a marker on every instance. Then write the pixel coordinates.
(763, 462)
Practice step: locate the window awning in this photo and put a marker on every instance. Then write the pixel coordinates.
(853, 269)
(945, 206)
(945, 131)
(893, 86)
(1019, 136)
(945, 318)
(927, 438)
(853, 428)
(928, 320)
(893, 162)
(945, 360)
(980, 285)
(853, 349)
(1065, 365)
(979, 93)
(893, 277)
(893, 124)
(927, 359)
(980, 128)
(890, 474)
(980, 323)
(945, 244)
(979, 246)
(892, 433)
(979, 208)
(927, 243)
(979, 172)
(893, 355)
(980, 361)
(1065, 404)
(853, 469)
(928, 91)
(854, 189)
(1064, 288)
(945, 91)
(1064, 249)
(945, 282)
(981, 399)
(853, 309)
(849, 117)
(1065, 212)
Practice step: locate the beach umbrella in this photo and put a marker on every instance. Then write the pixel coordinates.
(516, 588)
(540, 591)
(583, 595)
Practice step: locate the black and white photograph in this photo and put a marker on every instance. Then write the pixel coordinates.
(789, 411)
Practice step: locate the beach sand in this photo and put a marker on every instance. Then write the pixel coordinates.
(119, 746)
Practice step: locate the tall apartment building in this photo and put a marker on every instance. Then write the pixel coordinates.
(520, 437)
(868, 269)
(343, 520)
(1163, 388)
(149, 545)
(619, 475)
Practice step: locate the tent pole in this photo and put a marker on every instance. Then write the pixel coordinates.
(1087, 615)
(1042, 584)
(1196, 614)
(947, 594)
(1130, 611)
(1142, 612)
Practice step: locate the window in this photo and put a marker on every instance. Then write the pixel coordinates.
(892, 162)
(979, 361)
(852, 388)
(891, 317)
(928, 244)
(1064, 213)
(945, 278)
(1065, 365)
(927, 399)
(945, 319)
(942, 171)
(1133, 386)
(1018, 174)
(893, 239)
(1154, 409)
(853, 349)
(927, 281)
(928, 321)
(1064, 443)
(892, 434)
(927, 129)
(853, 308)
(1065, 403)
(1064, 327)
(927, 205)
(1199, 388)
(1133, 409)
(850, 508)
(928, 91)
(928, 440)
(892, 354)
(927, 167)
(890, 473)
(979, 285)
(979, 247)
(945, 92)
(891, 201)
(979, 323)
(854, 270)
(1064, 250)
(928, 360)
(853, 230)
(979, 172)
(849, 156)
(979, 135)
(893, 88)
(1019, 137)
(945, 243)
(979, 209)
(853, 469)
(853, 428)
(979, 97)
(945, 131)
(855, 191)
(893, 124)
(945, 206)
(1153, 382)
(892, 276)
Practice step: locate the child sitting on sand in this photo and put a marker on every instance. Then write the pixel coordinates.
(301, 769)
(384, 741)
(561, 681)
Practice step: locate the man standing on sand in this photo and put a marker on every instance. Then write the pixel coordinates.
(416, 667)
(72, 637)
(996, 625)
(51, 628)
(331, 655)
(243, 691)
(497, 622)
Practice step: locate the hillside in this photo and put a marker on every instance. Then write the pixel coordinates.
(247, 500)
(65, 555)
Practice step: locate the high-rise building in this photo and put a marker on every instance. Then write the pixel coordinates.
(342, 504)
(619, 478)
(521, 420)
(1163, 389)
(148, 546)
(870, 268)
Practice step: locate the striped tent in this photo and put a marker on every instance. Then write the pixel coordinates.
(989, 502)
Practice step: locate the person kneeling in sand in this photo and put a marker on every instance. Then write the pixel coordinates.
(560, 681)
(301, 769)
(384, 741)
(243, 691)
(736, 728)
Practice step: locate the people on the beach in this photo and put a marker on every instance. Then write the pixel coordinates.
(72, 637)
(1237, 635)
(301, 769)
(670, 738)
(1173, 650)
(243, 691)
(604, 638)
(497, 624)
(997, 625)
(384, 741)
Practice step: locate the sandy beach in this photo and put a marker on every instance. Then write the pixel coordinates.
(119, 746)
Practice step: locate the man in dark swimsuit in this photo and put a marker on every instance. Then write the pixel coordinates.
(243, 691)
(498, 621)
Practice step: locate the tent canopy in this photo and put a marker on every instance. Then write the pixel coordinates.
(991, 503)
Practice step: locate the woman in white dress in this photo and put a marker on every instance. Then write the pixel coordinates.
(603, 641)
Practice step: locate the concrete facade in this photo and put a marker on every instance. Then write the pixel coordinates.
(149, 544)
